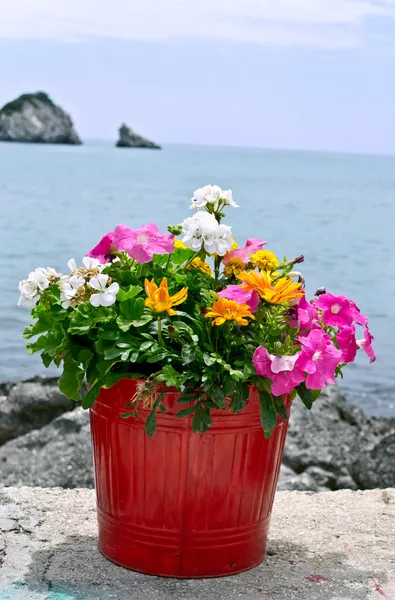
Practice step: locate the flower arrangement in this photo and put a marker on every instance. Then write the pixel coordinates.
(198, 313)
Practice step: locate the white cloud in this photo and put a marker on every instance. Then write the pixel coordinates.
(317, 23)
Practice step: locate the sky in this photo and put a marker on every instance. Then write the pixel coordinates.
(299, 74)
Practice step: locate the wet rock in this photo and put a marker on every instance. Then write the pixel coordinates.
(29, 405)
(58, 454)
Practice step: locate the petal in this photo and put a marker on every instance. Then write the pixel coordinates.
(95, 300)
(94, 284)
(113, 289)
(107, 299)
(72, 265)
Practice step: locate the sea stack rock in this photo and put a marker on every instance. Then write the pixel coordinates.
(130, 139)
(35, 118)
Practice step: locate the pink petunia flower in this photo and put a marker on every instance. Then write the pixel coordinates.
(234, 292)
(347, 343)
(252, 246)
(103, 249)
(337, 310)
(358, 317)
(141, 244)
(283, 371)
(307, 313)
(366, 344)
(319, 358)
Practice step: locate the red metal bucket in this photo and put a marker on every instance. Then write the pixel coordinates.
(182, 504)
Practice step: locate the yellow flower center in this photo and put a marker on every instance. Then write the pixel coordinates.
(335, 309)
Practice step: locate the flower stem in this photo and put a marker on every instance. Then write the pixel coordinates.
(160, 338)
(185, 265)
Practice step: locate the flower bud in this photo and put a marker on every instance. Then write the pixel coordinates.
(297, 260)
(174, 229)
(320, 291)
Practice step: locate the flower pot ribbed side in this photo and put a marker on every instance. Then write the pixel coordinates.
(182, 504)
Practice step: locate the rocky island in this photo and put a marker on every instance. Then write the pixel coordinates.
(34, 118)
(130, 139)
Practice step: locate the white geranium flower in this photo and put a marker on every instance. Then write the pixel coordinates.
(212, 194)
(92, 263)
(49, 272)
(39, 278)
(29, 294)
(203, 230)
(105, 296)
(69, 289)
(223, 240)
(228, 197)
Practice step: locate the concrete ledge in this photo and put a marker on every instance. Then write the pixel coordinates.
(332, 546)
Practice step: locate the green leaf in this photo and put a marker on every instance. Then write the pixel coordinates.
(280, 408)
(306, 395)
(132, 309)
(185, 412)
(208, 360)
(125, 324)
(70, 381)
(108, 381)
(150, 424)
(145, 346)
(268, 413)
(108, 334)
(129, 294)
(240, 397)
(188, 354)
(84, 357)
(229, 386)
(113, 353)
(172, 377)
(181, 255)
(218, 395)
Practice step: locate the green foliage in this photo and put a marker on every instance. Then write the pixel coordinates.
(178, 347)
(17, 104)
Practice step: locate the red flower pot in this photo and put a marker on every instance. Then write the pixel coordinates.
(182, 504)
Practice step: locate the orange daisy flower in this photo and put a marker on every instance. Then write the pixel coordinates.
(229, 310)
(158, 298)
(283, 290)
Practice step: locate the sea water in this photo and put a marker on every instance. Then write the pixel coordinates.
(336, 209)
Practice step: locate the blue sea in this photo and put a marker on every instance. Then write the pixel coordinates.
(336, 209)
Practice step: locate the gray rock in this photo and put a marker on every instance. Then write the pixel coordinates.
(339, 446)
(291, 481)
(58, 454)
(373, 463)
(29, 405)
(35, 118)
(130, 139)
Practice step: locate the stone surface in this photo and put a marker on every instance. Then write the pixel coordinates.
(29, 405)
(58, 454)
(338, 446)
(329, 546)
(35, 118)
(130, 139)
(334, 446)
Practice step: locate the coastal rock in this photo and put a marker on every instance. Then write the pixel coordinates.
(333, 446)
(35, 118)
(58, 454)
(130, 139)
(339, 446)
(29, 405)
